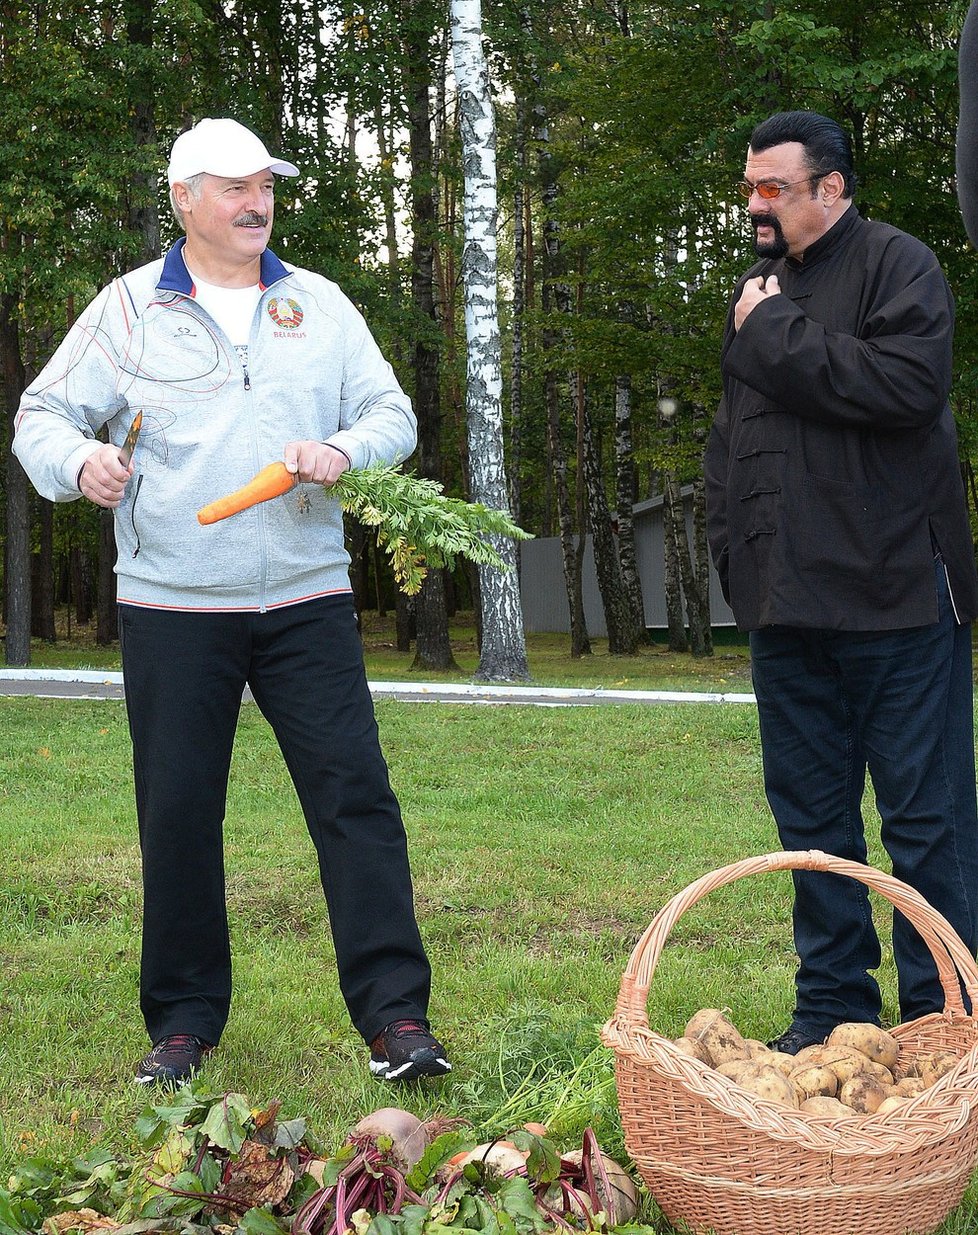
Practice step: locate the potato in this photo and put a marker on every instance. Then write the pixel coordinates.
(814, 1080)
(785, 1064)
(879, 1045)
(935, 1065)
(771, 1085)
(757, 1049)
(734, 1069)
(893, 1103)
(909, 1086)
(719, 1035)
(864, 1094)
(760, 1080)
(860, 1065)
(826, 1106)
(823, 1054)
(694, 1047)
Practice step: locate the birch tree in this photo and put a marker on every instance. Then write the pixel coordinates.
(503, 646)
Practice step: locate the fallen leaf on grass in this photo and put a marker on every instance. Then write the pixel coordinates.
(256, 1177)
(84, 1220)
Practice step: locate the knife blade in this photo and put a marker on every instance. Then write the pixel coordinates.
(129, 445)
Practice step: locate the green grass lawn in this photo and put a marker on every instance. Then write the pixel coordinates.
(543, 841)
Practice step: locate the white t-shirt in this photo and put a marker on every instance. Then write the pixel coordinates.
(233, 308)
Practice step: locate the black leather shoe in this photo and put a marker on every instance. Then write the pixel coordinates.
(795, 1038)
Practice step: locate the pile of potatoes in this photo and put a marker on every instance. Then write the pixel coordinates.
(857, 1069)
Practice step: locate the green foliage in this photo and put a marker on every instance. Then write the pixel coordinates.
(418, 525)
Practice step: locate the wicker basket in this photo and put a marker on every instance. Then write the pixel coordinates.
(717, 1158)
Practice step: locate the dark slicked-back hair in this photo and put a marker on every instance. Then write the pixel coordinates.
(827, 148)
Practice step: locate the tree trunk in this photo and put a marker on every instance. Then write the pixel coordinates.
(143, 213)
(404, 621)
(516, 332)
(433, 648)
(672, 583)
(17, 556)
(556, 296)
(571, 555)
(625, 500)
(80, 576)
(42, 577)
(390, 223)
(376, 553)
(107, 625)
(700, 639)
(503, 644)
(622, 632)
(700, 613)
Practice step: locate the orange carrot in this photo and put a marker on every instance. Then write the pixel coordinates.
(271, 481)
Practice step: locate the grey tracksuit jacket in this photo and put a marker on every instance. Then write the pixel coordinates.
(314, 372)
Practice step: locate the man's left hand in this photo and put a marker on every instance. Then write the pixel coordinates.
(755, 290)
(315, 462)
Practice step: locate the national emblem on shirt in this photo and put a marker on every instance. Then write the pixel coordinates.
(285, 312)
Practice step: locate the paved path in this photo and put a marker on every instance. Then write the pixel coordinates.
(94, 684)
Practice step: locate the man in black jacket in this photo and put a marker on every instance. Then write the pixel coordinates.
(840, 533)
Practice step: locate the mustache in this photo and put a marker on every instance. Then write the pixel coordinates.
(252, 219)
(766, 220)
(778, 247)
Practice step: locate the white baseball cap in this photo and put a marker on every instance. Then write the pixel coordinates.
(222, 148)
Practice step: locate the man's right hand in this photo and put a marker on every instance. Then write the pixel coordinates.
(754, 291)
(103, 477)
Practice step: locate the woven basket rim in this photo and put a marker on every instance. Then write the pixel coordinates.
(942, 1110)
(951, 956)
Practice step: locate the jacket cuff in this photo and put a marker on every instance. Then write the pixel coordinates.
(347, 444)
(337, 447)
(71, 471)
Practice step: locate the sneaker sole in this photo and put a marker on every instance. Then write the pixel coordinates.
(164, 1080)
(433, 1066)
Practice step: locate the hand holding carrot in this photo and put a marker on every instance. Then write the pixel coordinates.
(103, 477)
(315, 462)
(415, 522)
(308, 462)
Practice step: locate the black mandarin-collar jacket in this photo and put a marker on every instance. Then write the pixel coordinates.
(832, 467)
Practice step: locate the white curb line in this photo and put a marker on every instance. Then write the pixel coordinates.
(435, 692)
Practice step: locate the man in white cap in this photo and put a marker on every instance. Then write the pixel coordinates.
(235, 359)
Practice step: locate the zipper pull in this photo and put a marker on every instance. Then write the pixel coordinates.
(242, 350)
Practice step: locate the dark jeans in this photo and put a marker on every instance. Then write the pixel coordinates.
(832, 704)
(184, 676)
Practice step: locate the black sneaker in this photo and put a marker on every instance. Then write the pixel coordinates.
(404, 1050)
(173, 1060)
(795, 1038)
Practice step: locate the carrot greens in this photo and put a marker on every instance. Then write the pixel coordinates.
(418, 526)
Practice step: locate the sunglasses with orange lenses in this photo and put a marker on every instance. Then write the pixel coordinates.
(770, 189)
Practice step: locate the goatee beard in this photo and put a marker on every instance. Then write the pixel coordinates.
(778, 247)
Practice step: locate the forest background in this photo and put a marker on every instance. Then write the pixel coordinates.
(622, 128)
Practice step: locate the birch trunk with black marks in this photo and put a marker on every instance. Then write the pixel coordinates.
(503, 643)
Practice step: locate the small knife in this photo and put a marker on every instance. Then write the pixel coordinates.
(129, 445)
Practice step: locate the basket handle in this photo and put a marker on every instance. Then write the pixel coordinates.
(946, 947)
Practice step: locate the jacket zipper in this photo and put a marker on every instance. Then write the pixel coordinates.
(132, 512)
